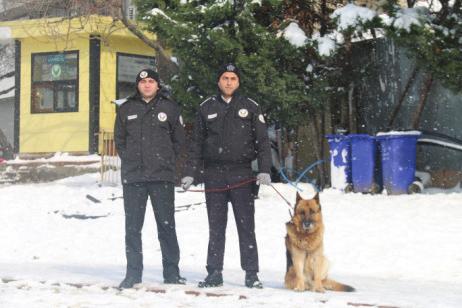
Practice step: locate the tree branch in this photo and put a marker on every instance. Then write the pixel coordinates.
(7, 75)
(162, 57)
(7, 90)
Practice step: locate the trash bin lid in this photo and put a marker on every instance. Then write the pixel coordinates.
(338, 137)
(366, 136)
(398, 134)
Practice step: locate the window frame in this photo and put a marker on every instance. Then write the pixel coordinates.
(55, 85)
(124, 54)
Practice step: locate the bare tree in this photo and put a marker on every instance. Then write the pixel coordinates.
(85, 11)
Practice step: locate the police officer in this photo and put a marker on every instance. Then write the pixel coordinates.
(229, 133)
(149, 135)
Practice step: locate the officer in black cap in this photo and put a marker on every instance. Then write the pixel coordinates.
(149, 135)
(229, 133)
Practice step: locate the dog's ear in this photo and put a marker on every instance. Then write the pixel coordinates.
(316, 197)
(298, 198)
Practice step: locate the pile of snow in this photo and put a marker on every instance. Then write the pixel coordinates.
(350, 15)
(59, 157)
(295, 35)
(5, 33)
(400, 251)
(159, 12)
(400, 133)
(405, 18)
(326, 45)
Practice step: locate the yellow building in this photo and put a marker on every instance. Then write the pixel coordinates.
(67, 74)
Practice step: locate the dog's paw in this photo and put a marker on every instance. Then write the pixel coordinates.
(299, 287)
(319, 289)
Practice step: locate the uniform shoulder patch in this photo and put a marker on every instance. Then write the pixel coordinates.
(261, 118)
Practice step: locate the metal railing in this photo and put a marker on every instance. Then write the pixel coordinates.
(110, 161)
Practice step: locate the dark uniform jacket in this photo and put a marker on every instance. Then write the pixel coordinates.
(230, 134)
(148, 138)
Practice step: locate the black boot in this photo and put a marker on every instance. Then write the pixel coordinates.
(252, 281)
(175, 280)
(213, 279)
(129, 282)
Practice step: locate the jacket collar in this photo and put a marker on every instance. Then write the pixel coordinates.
(162, 93)
(236, 95)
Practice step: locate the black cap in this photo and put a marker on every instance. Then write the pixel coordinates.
(229, 67)
(147, 73)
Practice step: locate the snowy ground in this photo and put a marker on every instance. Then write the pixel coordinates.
(400, 251)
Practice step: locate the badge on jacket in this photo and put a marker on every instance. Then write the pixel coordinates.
(162, 116)
(243, 113)
(261, 118)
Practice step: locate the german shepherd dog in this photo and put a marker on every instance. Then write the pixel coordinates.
(306, 264)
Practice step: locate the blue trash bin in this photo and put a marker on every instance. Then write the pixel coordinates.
(398, 151)
(340, 163)
(364, 169)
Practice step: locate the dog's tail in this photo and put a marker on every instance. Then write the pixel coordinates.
(333, 285)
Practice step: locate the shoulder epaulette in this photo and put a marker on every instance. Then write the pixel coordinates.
(211, 97)
(119, 102)
(252, 101)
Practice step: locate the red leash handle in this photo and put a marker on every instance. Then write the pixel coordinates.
(242, 184)
(225, 188)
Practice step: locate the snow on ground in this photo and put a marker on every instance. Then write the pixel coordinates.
(400, 251)
(58, 157)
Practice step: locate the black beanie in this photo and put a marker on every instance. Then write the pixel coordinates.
(229, 67)
(147, 73)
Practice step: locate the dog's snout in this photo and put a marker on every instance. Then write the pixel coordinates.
(307, 224)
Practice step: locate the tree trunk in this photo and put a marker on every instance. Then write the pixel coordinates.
(317, 144)
(423, 98)
(165, 65)
(395, 111)
(351, 111)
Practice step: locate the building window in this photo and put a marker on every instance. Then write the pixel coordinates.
(131, 12)
(127, 67)
(55, 82)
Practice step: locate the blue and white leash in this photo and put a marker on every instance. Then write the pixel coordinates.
(301, 175)
(295, 184)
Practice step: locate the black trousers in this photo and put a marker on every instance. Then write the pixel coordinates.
(242, 200)
(162, 196)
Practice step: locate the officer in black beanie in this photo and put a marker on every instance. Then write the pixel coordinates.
(149, 135)
(229, 133)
